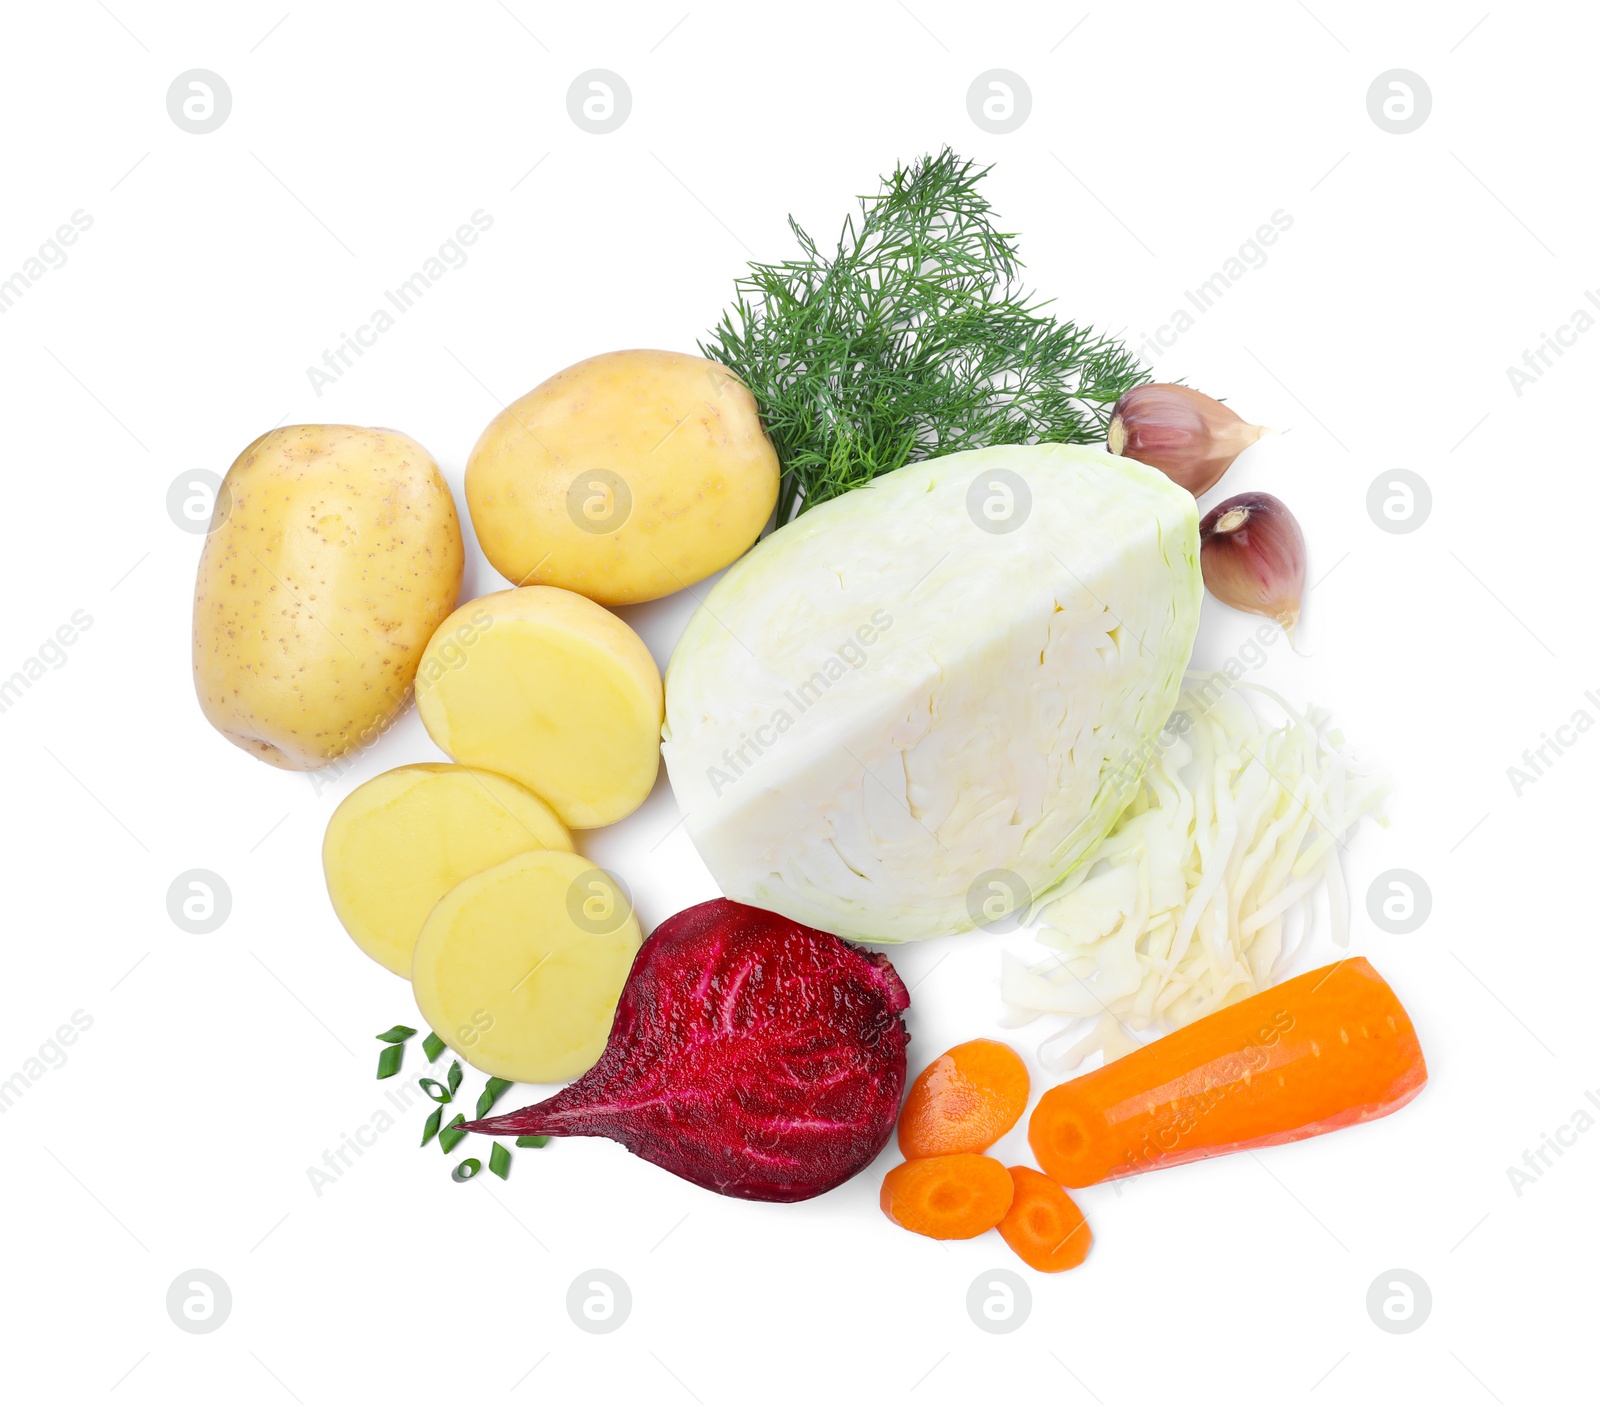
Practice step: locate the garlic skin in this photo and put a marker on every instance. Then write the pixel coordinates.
(1253, 557)
(1189, 436)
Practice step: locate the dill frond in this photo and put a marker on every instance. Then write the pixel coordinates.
(913, 339)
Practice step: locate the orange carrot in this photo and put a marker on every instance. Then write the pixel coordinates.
(947, 1197)
(1319, 1052)
(1044, 1226)
(964, 1101)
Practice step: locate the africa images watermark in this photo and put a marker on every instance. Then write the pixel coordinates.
(52, 1054)
(1198, 697)
(1251, 255)
(1551, 347)
(798, 700)
(1553, 745)
(1552, 1146)
(352, 346)
(52, 253)
(351, 1146)
(1225, 1077)
(50, 656)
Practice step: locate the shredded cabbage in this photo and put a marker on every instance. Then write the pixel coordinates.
(1205, 890)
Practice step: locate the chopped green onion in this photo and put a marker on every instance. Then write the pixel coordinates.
(491, 1094)
(454, 1077)
(533, 1141)
(389, 1060)
(435, 1090)
(431, 1125)
(450, 1136)
(432, 1046)
(500, 1161)
(398, 1035)
(467, 1169)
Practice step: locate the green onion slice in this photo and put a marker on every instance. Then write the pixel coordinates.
(500, 1161)
(389, 1060)
(398, 1035)
(451, 1135)
(431, 1125)
(454, 1077)
(467, 1169)
(533, 1141)
(491, 1094)
(432, 1046)
(435, 1090)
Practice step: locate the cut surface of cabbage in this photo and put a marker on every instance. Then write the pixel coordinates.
(914, 709)
(1207, 887)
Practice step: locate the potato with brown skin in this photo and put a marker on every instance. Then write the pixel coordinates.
(334, 553)
(623, 478)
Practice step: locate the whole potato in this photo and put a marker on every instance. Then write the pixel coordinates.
(334, 553)
(624, 478)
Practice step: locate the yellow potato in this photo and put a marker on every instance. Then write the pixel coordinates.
(399, 843)
(519, 968)
(625, 477)
(337, 555)
(552, 690)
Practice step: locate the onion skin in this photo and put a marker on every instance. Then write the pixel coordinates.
(1189, 436)
(1253, 557)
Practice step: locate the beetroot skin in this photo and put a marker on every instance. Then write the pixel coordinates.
(750, 1055)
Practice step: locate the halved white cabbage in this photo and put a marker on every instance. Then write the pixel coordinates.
(923, 703)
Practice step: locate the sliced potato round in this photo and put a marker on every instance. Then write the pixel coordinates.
(519, 968)
(399, 843)
(547, 687)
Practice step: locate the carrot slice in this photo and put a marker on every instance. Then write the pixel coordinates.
(1319, 1052)
(1044, 1226)
(947, 1197)
(964, 1101)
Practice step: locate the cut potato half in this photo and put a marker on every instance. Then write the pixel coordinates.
(547, 687)
(519, 968)
(399, 843)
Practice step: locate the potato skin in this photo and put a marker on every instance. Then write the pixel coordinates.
(682, 433)
(339, 555)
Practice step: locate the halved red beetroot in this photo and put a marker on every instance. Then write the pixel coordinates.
(750, 1055)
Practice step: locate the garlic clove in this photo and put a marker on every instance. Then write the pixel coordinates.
(1189, 436)
(1253, 557)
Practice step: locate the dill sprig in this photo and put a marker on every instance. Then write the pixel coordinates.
(913, 339)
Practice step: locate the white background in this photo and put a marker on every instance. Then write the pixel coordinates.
(218, 1068)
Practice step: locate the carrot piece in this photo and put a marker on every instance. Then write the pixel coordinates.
(964, 1101)
(947, 1197)
(1322, 1051)
(1044, 1226)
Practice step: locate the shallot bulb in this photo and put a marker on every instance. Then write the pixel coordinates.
(1189, 436)
(1253, 557)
